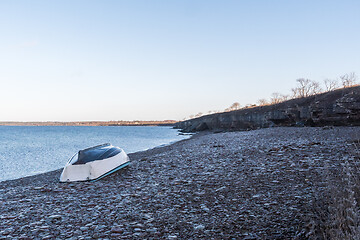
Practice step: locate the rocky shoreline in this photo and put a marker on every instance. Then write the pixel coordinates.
(340, 107)
(259, 184)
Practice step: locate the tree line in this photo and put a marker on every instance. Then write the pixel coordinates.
(305, 88)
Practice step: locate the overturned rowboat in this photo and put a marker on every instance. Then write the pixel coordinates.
(94, 163)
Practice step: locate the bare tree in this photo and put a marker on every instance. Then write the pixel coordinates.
(275, 98)
(263, 102)
(278, 98)
(295, 93)
(331, 84)
(349, 79)
(306, 88)
(234, 106)
(315, 88)
(301, 91)
(284, 97)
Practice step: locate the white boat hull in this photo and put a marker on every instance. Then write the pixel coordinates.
(94, 170)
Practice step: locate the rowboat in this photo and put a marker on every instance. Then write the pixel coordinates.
(94, 163)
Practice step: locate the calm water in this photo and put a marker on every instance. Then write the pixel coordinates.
(29, 150)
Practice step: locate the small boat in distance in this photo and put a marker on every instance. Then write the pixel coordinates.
(94, 163)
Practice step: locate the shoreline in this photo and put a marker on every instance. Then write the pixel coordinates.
(168, 123)
(251, 185)
(65, 141)
(58, 171)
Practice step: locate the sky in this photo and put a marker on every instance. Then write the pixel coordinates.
(155, 60)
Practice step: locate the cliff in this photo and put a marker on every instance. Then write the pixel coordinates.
(336, 108)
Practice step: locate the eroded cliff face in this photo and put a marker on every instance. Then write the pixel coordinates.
(339, 108)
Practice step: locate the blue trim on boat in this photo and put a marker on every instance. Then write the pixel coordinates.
(112, 171)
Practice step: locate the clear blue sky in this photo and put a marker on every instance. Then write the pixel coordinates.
(153, 60)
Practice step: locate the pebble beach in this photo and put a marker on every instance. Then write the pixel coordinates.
(259, 184)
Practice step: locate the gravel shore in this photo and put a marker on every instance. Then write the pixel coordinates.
(258, 184)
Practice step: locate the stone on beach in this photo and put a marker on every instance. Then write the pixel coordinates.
(249, 185)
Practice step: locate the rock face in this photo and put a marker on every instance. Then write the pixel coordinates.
(339, 108)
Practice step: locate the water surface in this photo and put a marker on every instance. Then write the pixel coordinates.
(29, 150)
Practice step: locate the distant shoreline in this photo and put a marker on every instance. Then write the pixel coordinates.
(92, 123)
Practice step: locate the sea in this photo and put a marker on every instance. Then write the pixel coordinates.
(30, 150)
